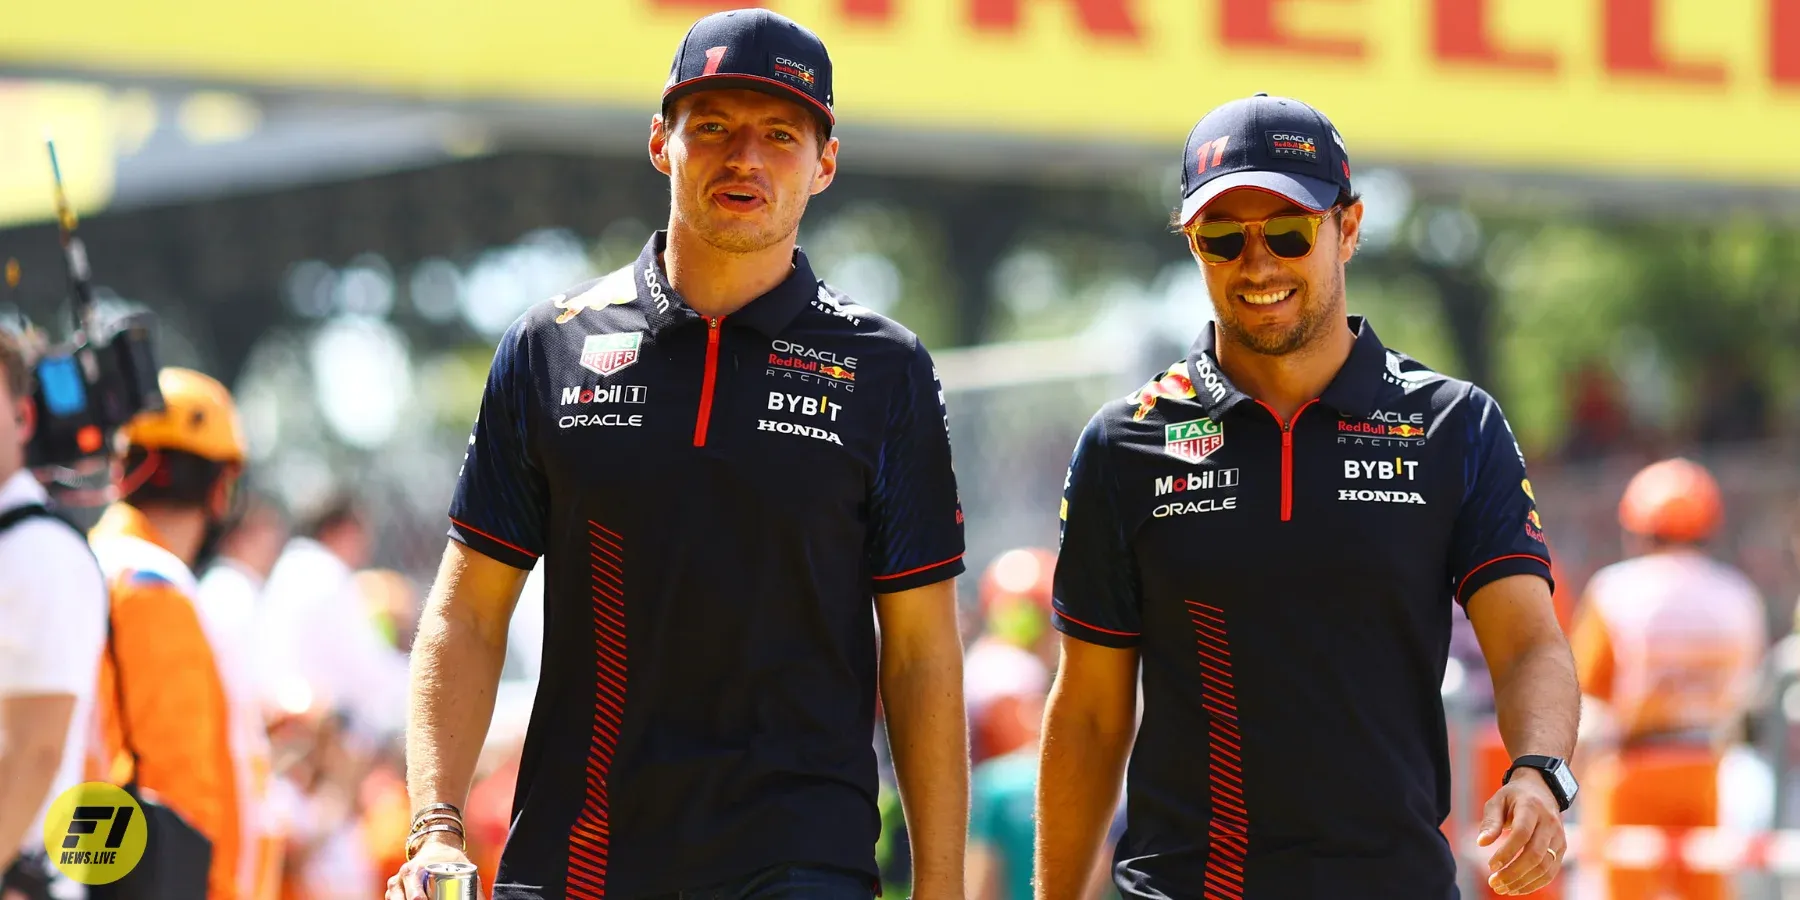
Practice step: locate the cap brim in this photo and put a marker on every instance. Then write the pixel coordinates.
(725, 81)
(1315, 194)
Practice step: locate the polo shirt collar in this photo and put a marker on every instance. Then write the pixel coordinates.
(769, 314)
(1351, 392)
(1354, 390)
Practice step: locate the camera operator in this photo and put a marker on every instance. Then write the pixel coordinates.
(52, 627)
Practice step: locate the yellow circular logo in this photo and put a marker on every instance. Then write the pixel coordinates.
(95, 833)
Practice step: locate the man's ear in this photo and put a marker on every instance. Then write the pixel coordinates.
(659, 142)
(223, 496)
(1350, 229)
(26, 412)
(827, 171)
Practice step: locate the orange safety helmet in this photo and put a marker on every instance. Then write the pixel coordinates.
(1015, 593)
(1674, 500)
(198, 417)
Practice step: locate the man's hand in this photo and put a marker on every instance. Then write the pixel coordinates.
(409, 882)
(1526, 830)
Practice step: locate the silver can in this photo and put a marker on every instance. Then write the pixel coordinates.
(452, 881)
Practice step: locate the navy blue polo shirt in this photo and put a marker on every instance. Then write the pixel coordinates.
(716, 502)
(1288, 589)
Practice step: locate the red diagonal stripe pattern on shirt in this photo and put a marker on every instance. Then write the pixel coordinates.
(1228, 837)
(590, 841)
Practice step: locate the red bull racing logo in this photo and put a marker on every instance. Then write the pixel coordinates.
(791, 360)
(1383, 429)
(1534, 524)
(1173, 384)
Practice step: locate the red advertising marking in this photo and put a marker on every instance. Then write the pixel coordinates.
(703, 6)
(1100, 18)
(1255, 25)
(1784, 42)
(868, 10)
(1631, 47)
(1462, 35)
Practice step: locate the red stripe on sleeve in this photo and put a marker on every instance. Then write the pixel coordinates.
(508, 544)
(1096, 627)
(1465, 578)
(919, 569)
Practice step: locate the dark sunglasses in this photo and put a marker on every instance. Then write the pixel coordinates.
(1222, 240)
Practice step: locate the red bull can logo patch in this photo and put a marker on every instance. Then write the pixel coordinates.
(613, 290)
(1173, 384)
(604, 354)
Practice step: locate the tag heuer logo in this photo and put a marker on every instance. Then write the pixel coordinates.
(605, 354)
(1193, 441)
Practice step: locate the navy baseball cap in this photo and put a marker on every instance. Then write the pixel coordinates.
(1275, 144)
(758, 50)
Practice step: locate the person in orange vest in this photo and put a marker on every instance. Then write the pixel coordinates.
(1667, 646)
(1015, 652)
(177, 709)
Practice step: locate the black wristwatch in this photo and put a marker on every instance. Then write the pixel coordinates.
(1556, 774)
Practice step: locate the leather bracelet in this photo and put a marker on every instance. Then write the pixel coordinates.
(417, 839)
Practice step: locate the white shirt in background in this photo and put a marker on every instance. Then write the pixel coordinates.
(227, 599)
(53, 609)
(315, 628)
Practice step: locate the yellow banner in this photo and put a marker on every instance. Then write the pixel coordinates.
(80, 118)
(1684, 88)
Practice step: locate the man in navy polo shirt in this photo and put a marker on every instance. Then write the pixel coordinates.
(1274, 529)
(733, 474)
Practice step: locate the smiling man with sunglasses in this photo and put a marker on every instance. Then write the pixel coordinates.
(1275, 529)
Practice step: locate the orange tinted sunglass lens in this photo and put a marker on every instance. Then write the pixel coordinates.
(1291, 237)
(1218, 242)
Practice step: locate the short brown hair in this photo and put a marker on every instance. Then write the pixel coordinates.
(15, 363)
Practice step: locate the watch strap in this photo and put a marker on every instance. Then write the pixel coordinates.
(1546, 765)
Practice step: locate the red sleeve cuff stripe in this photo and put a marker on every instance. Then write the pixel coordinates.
(507, 544)
(1465, 578)
(1096, 627)
(919, 569)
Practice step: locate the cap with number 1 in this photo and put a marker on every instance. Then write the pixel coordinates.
(758, 50)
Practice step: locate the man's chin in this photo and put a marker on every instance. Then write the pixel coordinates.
(1270, 341)
(742, 237)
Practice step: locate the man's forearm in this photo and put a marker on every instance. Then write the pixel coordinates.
(456, 664)
(35, 729)
(1082, 765)
(1537, 700)
(26, 774)
(928, 731)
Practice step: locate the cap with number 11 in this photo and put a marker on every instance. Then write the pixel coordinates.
(1273, 144)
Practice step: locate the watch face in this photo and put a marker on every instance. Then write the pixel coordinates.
(1566, 780)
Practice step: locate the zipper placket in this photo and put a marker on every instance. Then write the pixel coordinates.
(712, 376)
(1287, 455)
